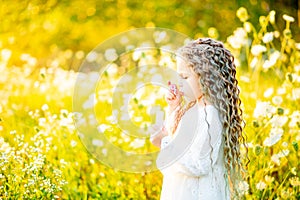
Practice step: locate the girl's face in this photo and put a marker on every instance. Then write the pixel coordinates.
(189, 81)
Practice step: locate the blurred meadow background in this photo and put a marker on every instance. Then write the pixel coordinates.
(42, 45)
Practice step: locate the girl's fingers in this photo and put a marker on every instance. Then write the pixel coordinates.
(170, 95)
(180, 94)
(173, 97)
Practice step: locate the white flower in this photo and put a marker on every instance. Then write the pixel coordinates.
(67, 122)
(112, 119)
(112, 69)
(281, 91)
(4, 147)
(272, 16)
(104, 151)
(32, 61)
(294, 181)
(277, 100)
(25, 56)
(296, 93)
(165, 61)
(275, 136)
(254, 62)
(45, 107)
(73, 143)
(6, 54)
(137, 54)
(276, 159)
(137, 143)
(98, 143)
(244, 187)
(92, 161)
(92, 56)
(263, 109)
(63, 162)
(90, 102)
(283, 153)
(159, 36)
(238, 39)
(148, 162)
(285, 144)
(124, 40)
(279, 121)
(268, 92)
(288, 18)
(237, 62)
(269, 179)
(295, 118)
(111, 54)
(245, 79)
(297, 45)
(247, 26)
(102, 174)
(101, 128)
(258, 49)
(92, 120)
(261, 185)
(138, 119)
(268, 37)
(272, 60)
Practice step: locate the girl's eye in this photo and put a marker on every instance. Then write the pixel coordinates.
(183, 76)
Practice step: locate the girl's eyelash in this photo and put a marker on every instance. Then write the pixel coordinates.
(183, 76)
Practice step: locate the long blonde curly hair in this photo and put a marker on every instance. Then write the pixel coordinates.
(215, 66)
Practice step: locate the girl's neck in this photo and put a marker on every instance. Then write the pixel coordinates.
(203, 101)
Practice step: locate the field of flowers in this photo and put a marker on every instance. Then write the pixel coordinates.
(42, 157)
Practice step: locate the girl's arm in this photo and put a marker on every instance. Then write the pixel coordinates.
(164, 136)
(157, 138)
(173, 98)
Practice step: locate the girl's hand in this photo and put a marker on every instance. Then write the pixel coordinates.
(160, 132)
(174, 96)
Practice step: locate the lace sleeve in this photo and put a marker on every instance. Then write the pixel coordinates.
(203, 152)
(170, 118)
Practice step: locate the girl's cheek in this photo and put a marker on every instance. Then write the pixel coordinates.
(186, 90)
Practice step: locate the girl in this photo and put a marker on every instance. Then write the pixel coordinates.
(210, 167)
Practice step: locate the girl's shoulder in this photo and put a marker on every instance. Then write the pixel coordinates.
(210, 113)
(203, 112)
(208, 109)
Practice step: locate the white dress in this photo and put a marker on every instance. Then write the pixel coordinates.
(192, 160)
